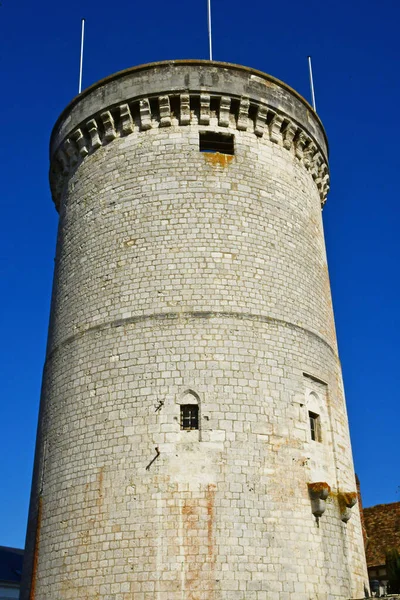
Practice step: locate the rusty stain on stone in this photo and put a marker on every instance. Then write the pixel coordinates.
(319, 487)
(198, 577)
(100, 489)
(347, 499)
(216, 159)
(210, 522)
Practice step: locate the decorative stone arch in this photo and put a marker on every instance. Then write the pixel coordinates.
(313, 401)
(189, 396)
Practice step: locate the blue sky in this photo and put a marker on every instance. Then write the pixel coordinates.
(355, 53)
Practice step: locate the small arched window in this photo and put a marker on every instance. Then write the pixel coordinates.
(314, 417)
(189, 411)
(315, 426)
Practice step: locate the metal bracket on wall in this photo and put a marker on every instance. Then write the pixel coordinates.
(155, 458)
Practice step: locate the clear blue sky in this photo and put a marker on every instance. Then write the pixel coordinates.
(355, 49)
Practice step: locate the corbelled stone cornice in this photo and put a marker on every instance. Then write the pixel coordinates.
(185, 109)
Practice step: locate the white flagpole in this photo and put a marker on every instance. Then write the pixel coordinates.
(209, 27)
(311, 83)
(81, 61)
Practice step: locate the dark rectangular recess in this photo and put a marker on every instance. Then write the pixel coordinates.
(209, 141)
(315, 426)
(189, 416)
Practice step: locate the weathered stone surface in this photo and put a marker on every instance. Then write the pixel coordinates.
(185, 277)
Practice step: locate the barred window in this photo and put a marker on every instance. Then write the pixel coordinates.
(189, 416)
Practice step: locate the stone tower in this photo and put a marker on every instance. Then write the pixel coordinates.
(193, 440)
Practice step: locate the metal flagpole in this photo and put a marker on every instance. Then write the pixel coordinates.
(81, 61)
(311, 83)
(209, 26)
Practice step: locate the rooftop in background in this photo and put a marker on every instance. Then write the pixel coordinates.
(11, 565)
(382, 523)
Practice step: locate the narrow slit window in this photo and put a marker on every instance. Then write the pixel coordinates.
(315, 426)
(189, 417)
(210, 141)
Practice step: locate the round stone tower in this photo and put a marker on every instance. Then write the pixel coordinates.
(193, 440)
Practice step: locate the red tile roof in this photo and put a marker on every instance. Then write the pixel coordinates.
(382, 523)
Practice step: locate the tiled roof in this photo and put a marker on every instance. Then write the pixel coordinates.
(382, 523)
(10, 564)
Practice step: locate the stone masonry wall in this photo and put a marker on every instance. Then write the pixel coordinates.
(191, 277)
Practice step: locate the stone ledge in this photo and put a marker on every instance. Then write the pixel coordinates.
(182, 316)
